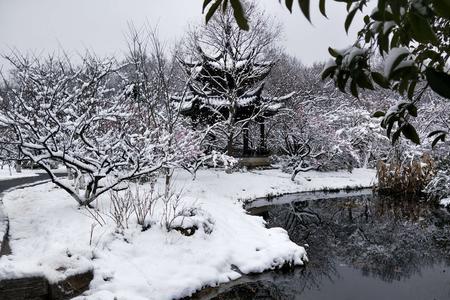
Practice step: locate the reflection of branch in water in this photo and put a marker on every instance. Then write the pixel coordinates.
(304, 225)
(304, 215)
(386, 238)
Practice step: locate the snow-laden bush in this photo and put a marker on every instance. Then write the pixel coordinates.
(188, 220)
(346, 136)
(439, 187)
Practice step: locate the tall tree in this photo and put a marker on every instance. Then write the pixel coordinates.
(228, 66)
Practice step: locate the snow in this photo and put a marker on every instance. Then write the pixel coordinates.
(351, 53)
(50, 236)
(445, 202)
(394, 109)
(6, 173)
(392, 58)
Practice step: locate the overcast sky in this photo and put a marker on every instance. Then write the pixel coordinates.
(44, 26)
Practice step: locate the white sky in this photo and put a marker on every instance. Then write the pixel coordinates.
(44, 26)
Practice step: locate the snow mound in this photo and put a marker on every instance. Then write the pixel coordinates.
(50, 236)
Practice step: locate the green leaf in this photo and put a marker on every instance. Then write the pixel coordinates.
(354, 88)
(224, 6)
(380, 80)
(333, 52)
(341, 81)
(442, 8)
(436, 132)
(382, 16)
(366, 19)
(437, 139)
(383, 42)
(395, 136)
(439, 82)
(441, 135)
(396, 62)
(364, 81)
(421, 29)
(349, 19)
(328, 71)
(289, 4)
(322, 8)
(239, 14)
(395, 40)
(410, 133)
(205, 4)
(411, 89)
(212, 10)
(412, 110)
(378, 114)
(396, 7)
(389, 128)
(368, 36)
(304, 6)
(403, 84)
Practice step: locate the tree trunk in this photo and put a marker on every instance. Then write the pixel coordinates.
(167, 184)
(18, 166)
(70, 174)
(230, 145)
(294, 174)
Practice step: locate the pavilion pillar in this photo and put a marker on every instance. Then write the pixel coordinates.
(262, 136)
(245, 139)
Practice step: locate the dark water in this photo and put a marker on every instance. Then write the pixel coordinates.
(360, 247)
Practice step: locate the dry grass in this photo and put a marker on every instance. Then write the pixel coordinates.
(406, 177)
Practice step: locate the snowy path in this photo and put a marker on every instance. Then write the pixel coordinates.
(6, 184)
(8, 174)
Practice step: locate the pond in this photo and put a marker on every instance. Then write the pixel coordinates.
(360, 246)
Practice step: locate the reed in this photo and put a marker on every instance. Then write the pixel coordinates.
(409, 176)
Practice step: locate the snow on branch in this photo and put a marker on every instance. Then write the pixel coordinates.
(81, 118)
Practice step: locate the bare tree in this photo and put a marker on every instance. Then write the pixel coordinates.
(79, 117)
(153, 76)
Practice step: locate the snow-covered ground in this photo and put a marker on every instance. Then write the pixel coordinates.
(7, 173)
(50, 235)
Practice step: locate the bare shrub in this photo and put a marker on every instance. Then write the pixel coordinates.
(172, 206)
(138, 202)
(143, 205)
(121, 209)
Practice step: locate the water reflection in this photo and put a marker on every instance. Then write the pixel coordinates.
(360, 247)
(384, 237)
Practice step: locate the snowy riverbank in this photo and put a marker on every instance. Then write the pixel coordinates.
(51, 236)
